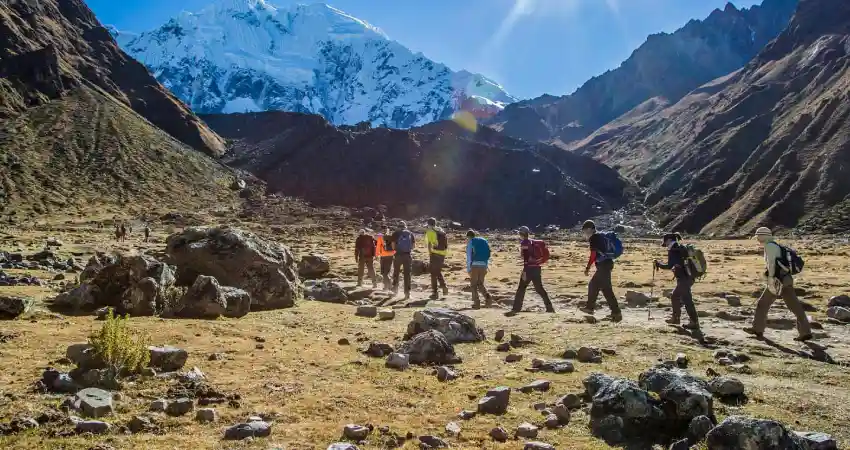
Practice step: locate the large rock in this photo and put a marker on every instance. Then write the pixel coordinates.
(839, 300)
(430, 347)
(264, 269)
(456, 327)
(839, 313)
(81, 298)
(817, 441)
(726, 387)
(208, 299)
(84, 356)
(11, 307)
(93, 402)
(325, 291)
(496, 401)
(621, 410)
(133, 285)
(739, 432)
(314, 266)
(637, 299)
(167, 358)
(253, 429)
(690, 395)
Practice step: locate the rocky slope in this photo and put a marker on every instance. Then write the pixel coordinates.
(483, 179)
(668, 66)
(79, 118)
(249, 56)
(767, 145)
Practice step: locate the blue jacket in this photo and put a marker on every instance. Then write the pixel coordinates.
(477, 253)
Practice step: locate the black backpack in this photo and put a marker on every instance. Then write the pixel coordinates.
(789, 261)
(442, 240)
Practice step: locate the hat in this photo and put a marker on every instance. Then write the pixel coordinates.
(588, 225)
(524, 230)
(402, 225)
(470, 234)
(764, 231)
(670, 236)
(432, 221)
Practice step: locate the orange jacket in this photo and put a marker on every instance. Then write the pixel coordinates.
(381, 250)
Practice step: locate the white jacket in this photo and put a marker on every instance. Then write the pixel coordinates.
(772, 253)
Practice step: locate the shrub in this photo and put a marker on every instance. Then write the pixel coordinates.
(122, 349)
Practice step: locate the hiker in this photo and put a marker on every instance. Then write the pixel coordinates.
(123, 232)
(477, 260)
(779, 278)
(364, 254)
(403, 243)
(385, 255)
(534, 254)
(602, 255)
(437, 250)
(147, 231)
(678, 262)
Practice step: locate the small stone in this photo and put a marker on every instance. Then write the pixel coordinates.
(367, 311)
(93, 402)
(158, 405)
(254, 419)
(539, 406)
(699, 427)
(386, 314)
(552, 422)
(193, 375)
(562, 413)
(216, 357)
(355, 432)
(512, 358)
(117, 396)
(343, 341)
(206, 415)
(180, 407)
(141, 424)
(570, 354)
(453, 429)
(503, 347)
(526, 430)
(726, 387)
(398, 361)
(496, 401)
(591, 320)
(148, 372)
(538, 446)
(733, 300)
(682, 444)
(589, 355)
(725, 361)
(92, 426)
(682, 360)
(571, 401)
(446, 374)
(429, 441)
(609, 351)
(500, 334)
(167, 359)
(537, 363)
(342, 446)
(248, 430)
(499, 434)
(741, 368)
(539, 385)
(817, 441)
(466, 415)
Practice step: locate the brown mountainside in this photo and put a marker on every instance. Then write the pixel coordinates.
(767, 145)
(482, 179)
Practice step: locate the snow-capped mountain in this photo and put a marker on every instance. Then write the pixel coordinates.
(249, 55)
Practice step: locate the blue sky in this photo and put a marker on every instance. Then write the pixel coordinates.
(531, 47)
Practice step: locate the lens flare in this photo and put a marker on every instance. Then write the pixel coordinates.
(465, 120)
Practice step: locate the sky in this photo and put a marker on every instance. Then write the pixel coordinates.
(530, 47)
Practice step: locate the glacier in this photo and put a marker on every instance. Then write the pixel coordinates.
(249, 55)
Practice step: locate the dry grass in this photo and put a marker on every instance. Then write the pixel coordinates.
(313, 386)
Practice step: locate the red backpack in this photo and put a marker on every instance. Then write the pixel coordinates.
(539, 252)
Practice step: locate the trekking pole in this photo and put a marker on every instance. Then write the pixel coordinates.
(651, 294)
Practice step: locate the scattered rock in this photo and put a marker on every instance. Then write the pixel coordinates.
(682, 361)
(92, 426)
(429, 441)
(726, 387)
(254, 429)
(699, 427)
(557, 366)
(398, 361)
(456, 327)
(343, 341)
(81, 298)
(194, 375)
(733, 300)
(314, 266)
(206, 415)
(453, 429)
(503, 347)
(11, 307)
(562, 412)
(379, 349)
(430, 347)
(496, 401)
(526, 430)
(539, 406)
(355, 432)
(842, 301)
(141, 424)
(446, 374)
(737, 432)
(367, 311)
(539, 386)
(500, 334)
(637, 299)
(571, 401)
(326, 291)
(499, 434)
(538, 446)
(512, 358)
(159, 405)
(180, 407)
(386, 314)
(817, 441)
(620, 409)
(466, 415)
(84, 356)
(167, 358)
(552, 422)
(589, 355)
(690, 394)
(93, 402)
(570, 354)
(741, 368)
(839, 313)
(343, 446)
(682, 444)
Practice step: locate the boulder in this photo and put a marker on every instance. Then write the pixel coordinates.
(739, 432)
(839, 300)
(59, 382)
(180, 407)
(367, 311)
(699, 427)
(91, 426)
(84, 356)
(207, 299)
(141, 424)
(398, 361)
(314, 266)
(430, 347)
(386, 314)
(80, 298)
(539, 386)
(167, 358)
(429, 441)
(206, 415)
(621, 410)
(254, 429)
(379, 349)
(513, 357)
(817, 441)
(159, 405)
(690, 395)
(264, 269)
(726, 387)
(12, 306)
(496, 401)
(589, 355)
(526, 430)
(134, 284)
(499, 434)
(552, 422)
(637, 299)
(838, 313)
(93, 402)
(556, 366)
(456, 327)
(446, 374)
(326, 291)
(733, 300)
(355, 432)
(562, 413)
(571, 401)
(467, 415)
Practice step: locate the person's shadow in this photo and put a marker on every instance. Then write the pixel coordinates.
(818, 352)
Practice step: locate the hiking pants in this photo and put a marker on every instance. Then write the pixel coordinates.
(386, 266)
(531, 275)
(362, 263)
(436, 267)
(402, 263)
(601, 281)
(791, 301)
(476, 281)
(682, 295)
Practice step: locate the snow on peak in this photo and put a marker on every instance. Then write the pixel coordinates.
(253, 55)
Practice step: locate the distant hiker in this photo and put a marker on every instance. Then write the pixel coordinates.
(477, 260)
(123, 232)
(782, 264)
(364, 254)
(385, 253)
(117, 232)
(685, 273)
(534, 254)
(147, 231)
(437, 250)
(403, 243)
(604, 249)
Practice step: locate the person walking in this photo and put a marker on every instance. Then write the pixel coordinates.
(438, 246)
(534, 254)
(477, 260)
(677, 261)
(779, 283)
(364, 254)
(386, 254)
(402, 242)
(601, 257)
(147, 233)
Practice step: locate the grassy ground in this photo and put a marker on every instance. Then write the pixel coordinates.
(312, 386)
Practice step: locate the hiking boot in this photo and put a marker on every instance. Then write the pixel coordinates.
(805, 338)
(476, 306)
(673, 321)
(586, 310)
(550, 311)
(691, 326)
(434, 296)
(488, 302)
(511, 313)
(406, 297)
(752, 331)
(614, 318)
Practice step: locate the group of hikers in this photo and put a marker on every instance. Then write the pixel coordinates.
(687, 263)
(122, 229)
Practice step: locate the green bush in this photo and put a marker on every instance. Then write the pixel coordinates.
(122, 349)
